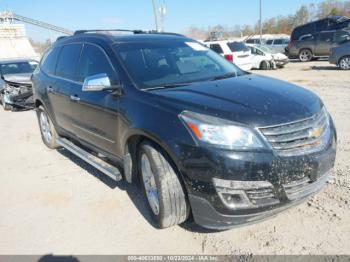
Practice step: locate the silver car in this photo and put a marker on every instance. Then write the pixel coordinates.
(340, 56)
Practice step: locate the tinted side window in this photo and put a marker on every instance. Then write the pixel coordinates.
(342, 36)
(237, 47)
(49, 61)
(93, 62)
(278, 42)
(306, 38)
(216, 48)
(68, 60)
(269, 42)
(326, 37)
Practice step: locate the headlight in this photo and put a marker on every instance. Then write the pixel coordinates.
(219, 132)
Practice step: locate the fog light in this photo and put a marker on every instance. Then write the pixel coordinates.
(233, 193)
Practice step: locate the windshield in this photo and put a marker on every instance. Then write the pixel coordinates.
(18, 68)
(267, 49)
(171, 63)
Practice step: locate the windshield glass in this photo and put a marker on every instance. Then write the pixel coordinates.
(166, 63)
(267, 49)
(18, 68)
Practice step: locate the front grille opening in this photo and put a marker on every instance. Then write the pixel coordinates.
(299, 137)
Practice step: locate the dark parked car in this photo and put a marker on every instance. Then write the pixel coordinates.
(340, 56)
(15, 84)
(201, 135)
(326, 24)
(316, 45)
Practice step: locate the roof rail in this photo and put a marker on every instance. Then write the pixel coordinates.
(78, 32)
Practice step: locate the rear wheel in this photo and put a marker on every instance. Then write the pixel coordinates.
(344, 63)
(162, 188)
(305, 55)
(264, 65)
(47, 129)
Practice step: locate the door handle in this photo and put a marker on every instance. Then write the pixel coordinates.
(75, 98)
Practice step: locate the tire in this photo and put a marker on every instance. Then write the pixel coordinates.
(160, 182)
(344, 63)
(47, 129)
(305, 55)
(264, 65)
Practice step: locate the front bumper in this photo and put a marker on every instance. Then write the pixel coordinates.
(281, 62)
(293, 179)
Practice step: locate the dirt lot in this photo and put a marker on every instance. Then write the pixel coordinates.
(51, 202)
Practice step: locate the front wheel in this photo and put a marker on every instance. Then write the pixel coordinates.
(344, 63)
(47, 129)
(265, 65)
(162, 188)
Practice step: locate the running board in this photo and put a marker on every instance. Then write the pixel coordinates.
(96, 162)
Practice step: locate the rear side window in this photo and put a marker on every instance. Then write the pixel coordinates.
(93, 61)
(216, 48)
(237, 47)
(278, 42)
(342, 36)
(326, 37)
(306, 38)
(269, 42)
(48, 63)
(68, 60)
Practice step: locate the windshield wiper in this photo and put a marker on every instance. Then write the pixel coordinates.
(167, 86)
(229, 75)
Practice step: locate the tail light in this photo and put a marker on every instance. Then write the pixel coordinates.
(290, 45)
(229, 58)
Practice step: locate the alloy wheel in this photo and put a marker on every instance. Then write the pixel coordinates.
(150, 185)
(45, 127)
(345, 63)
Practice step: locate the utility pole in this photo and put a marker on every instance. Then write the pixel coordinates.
(260, 21)
(155, 12)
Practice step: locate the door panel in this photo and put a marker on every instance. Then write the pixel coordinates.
(95, 118)
(58, 92)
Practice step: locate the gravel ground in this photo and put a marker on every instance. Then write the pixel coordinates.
(51, 202)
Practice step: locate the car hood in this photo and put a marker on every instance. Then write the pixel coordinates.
(19, 78)
(250, 99)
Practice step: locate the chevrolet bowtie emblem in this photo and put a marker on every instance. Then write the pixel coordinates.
(316, 132)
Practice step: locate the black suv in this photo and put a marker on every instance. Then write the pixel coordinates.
(310, 46)
(200, 135)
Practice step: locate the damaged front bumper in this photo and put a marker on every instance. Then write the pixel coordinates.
(249, 187)
(18, 95)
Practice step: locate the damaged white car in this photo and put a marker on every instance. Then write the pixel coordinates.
(15, 84)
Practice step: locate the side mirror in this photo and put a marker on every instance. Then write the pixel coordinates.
(100, 82)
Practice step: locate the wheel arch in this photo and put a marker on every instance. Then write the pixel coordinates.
(131, 145)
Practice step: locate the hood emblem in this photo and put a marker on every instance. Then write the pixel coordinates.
(316, 132)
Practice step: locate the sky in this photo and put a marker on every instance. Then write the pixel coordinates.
(138, 14)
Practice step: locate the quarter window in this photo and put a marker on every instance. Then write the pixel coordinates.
(216, 48)
(93, 62)
(68, 60)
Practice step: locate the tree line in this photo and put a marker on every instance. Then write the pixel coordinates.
(279, 24)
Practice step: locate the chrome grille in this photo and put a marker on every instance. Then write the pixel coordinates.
(300, 137)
